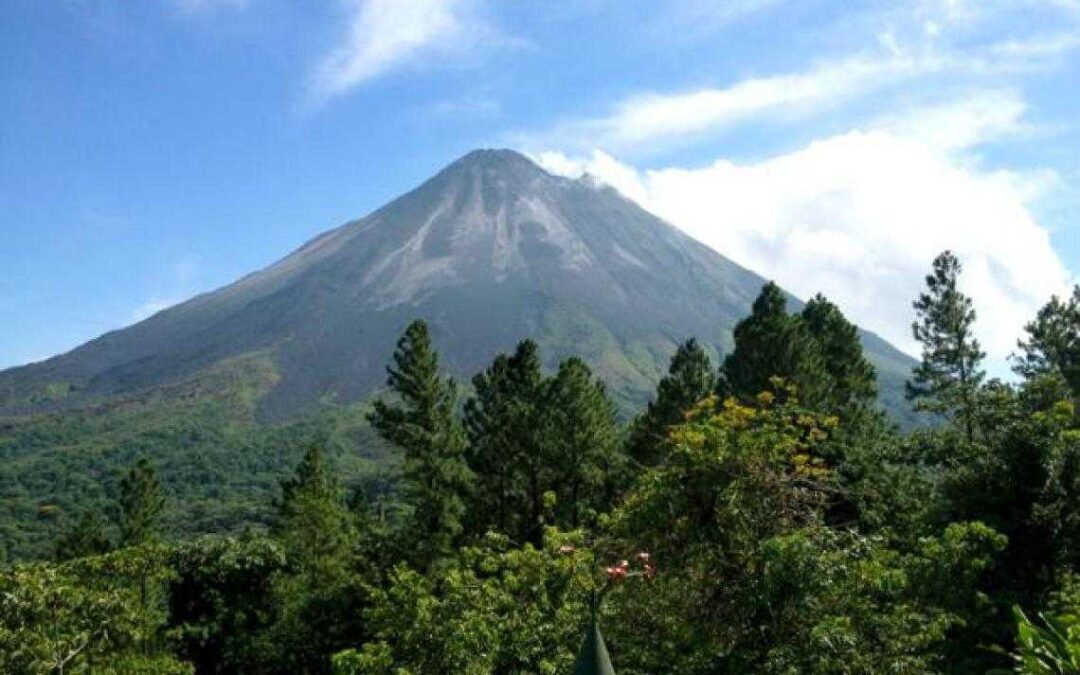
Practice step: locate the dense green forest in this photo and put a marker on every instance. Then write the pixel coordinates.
(761, 515)
(221, 463)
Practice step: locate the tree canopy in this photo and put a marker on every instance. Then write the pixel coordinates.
(761, 518)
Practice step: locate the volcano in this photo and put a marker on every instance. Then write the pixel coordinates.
(491, 250)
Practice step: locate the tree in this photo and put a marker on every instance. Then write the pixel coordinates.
(771, 343)
(320, 596)
(851, 383)
(86, 616)
(534, 437)
(222, 601)
(689, 379)
(1000, 480)
(313, 522)
(1053, 343)
(1058, 510)
(947, 379)
(505, 451)
(140, 505)
(582, 444)
(753, 581)
(86, 537)
(424, 425)
(493, 609)
(139, 513)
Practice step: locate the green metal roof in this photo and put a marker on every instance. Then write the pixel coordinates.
(593, 658)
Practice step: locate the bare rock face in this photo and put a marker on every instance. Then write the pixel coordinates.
(489, 251)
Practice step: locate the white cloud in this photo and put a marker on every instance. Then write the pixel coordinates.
(859, 216)
(654, 120)
(1041, 47)
(977, 118)
(659, 117)
(386, 34)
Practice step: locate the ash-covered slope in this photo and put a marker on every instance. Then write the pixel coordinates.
(489, 251)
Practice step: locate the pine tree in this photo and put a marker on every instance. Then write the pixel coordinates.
(138, 515)
(140, 505)
(690, 378)
(582, 444)
(1053, 342)
(318, 599)
(504, 447)
(85, 537)
(771, 343)
(424, 425)
(851, 382)
(947, 379)
(314, 523)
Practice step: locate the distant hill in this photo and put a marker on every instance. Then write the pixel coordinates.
(222, 391)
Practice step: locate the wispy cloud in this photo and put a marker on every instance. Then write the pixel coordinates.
(923, 44)
(859, 215)
(896, 175)
(1042, 47)
(384, 35)
(974, 118)
(657, 118)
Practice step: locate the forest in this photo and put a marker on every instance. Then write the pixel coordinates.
(762, 515)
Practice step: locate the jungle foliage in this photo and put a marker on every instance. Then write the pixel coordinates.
(760, 516)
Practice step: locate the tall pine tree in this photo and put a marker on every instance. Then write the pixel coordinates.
(850, 383)
(140, 505)
(423, 423)
(582, 443)
(534, 437)
(319, 598)
(313, 521)
(1052, 346)
(505, 451)
(947, 379)
(771, 343)
(689, 379)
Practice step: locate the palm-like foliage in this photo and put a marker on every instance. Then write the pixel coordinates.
(1049, 647)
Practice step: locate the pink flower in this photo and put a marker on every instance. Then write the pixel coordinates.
(616, 573)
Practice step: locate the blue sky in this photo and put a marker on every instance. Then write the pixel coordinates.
(152, 150)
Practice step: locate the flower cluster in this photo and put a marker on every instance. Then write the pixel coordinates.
(622, 569)
(648, 567)
(618, 572)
